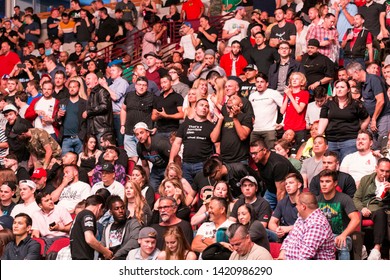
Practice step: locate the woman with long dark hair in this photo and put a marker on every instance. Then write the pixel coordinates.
(246, 216)
(139, 176)
(341, 118)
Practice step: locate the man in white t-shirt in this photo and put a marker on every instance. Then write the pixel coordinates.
(207, 233)
(108, 182)
(265, 102)
(235, 28)
(362, 162)
(42, 110)
(71, 191)
(29, 206)
(187, 41)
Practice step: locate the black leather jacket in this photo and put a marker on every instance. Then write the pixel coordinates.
(99, 111)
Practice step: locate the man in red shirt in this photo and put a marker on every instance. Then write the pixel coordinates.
(233, 62)
(8, 59)
(191, 10)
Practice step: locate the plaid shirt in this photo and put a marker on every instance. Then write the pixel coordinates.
(320, 33)
(311, 238)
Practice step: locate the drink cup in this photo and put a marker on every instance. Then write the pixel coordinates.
(381, 192)
(63, 107)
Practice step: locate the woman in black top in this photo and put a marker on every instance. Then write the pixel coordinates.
(341, 118)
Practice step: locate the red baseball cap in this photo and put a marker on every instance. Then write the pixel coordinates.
(39, 173)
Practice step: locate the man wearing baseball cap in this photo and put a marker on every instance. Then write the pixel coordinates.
(319, 68)
(251, 194)
(39, 177)
(15, 123)
(152, 148)
(147, 240)
(29, 206)
(235, 28)
(108, 181)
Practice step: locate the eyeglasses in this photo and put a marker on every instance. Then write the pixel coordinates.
(255, 153)
(172, 72)
(284, 48)
(164, 207)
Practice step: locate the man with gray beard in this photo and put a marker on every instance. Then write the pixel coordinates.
(167, 211)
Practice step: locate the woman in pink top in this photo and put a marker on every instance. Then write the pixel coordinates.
(294, 106)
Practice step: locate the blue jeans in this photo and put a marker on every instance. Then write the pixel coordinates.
(117, 130)
(271, 198)
(190, 170)
(70, 144)
(383, 125)
(272, 236)
(156, 176)
(343, 148)
(130, 142)
(343, 252)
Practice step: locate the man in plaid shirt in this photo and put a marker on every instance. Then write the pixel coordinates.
(311, 237)
(328, 36)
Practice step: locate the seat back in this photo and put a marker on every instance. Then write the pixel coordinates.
(274, 248)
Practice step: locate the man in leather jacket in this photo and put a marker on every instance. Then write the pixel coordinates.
(99, 108)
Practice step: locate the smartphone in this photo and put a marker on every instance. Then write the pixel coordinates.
(52, 224)
(159, 109)
(100, 75)
(21, 65)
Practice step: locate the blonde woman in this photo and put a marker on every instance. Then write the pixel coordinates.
(173, 171)
(176, 246)
(189, 109)
(173, 188)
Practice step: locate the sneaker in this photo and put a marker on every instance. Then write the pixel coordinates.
(374, 255)
(364, 253)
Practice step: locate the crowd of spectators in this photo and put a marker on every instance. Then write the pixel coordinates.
(273, 131)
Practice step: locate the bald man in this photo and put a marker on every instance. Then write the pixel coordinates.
(99, 108)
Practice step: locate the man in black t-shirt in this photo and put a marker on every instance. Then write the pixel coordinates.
(261, 54)
(167, 108)
(83, 242)
(234, 133)
(282, 31)
(249, 189)
(137, 107)
(249, 86)
(197, 135)
(207, 35)
(7, 191)
(154, 149)
(167, 210)
(273, 169)
(232, 173)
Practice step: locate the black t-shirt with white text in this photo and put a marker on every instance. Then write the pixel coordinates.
(196, 140)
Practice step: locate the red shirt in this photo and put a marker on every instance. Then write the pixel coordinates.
(192, 9)
(356, 32)
(226, 63)
(292, 119)
(7, 63)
